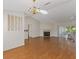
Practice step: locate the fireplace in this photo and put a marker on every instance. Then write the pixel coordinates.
(46, 34)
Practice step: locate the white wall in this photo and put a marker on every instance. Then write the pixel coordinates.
(34, 27)
(67, 23)
(16, 39)
(53, 27)
(11, 39)
(48, 27)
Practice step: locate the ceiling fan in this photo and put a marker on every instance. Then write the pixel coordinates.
(35, 9)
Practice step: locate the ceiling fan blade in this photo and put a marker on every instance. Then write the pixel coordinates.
(45, 4)
(43, 11)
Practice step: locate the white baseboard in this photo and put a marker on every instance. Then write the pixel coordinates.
(13, 47)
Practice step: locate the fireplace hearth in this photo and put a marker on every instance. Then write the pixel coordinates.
(46, 34)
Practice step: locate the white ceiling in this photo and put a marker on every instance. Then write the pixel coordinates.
(58, 10)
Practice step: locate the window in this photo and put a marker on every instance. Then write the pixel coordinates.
(15, 23)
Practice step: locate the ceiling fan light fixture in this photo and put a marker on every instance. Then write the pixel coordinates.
(34, 10)
(43, 11)
(34, 0)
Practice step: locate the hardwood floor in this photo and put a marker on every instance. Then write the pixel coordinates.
(43, 48)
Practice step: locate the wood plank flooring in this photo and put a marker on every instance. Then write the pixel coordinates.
(43, 48)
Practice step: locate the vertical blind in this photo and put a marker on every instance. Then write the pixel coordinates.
(15, 23)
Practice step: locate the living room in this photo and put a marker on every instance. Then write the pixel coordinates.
(32, 26)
